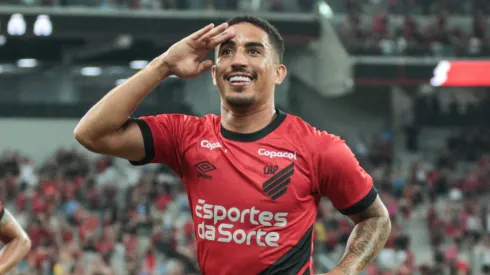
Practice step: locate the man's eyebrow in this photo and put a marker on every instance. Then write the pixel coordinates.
(228, 43)
(254, 44)
(247, 45)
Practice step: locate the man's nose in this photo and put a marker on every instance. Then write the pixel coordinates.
(239, 60)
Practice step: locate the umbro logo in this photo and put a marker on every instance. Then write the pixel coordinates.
(204, 167)
(276, 186)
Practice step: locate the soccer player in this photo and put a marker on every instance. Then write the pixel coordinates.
(17, 243)
(254, 175)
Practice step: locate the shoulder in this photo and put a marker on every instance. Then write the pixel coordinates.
(312, 138)
(179, 121)
(177, 117)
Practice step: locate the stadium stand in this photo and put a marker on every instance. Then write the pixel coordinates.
(395, 29)
(90, 215)
(274, 5)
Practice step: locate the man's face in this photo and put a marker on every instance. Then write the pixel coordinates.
(247, 67)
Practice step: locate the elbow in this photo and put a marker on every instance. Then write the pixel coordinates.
(388, 224)
(82, 136)
(24, 243)
(385, 220)
(89, 141)
(79, 135)
(385, 227)
(27, 244)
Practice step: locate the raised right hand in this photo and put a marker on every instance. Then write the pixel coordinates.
(184, 58)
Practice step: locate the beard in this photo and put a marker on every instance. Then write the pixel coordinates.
(240, 101)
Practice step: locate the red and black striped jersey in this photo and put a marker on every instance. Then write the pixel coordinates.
(254, 197)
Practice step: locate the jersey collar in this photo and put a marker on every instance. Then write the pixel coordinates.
(250, 137)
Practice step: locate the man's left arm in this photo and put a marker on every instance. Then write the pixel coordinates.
(373, 227)
(351, 191)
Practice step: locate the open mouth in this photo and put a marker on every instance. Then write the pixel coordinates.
(239, 79)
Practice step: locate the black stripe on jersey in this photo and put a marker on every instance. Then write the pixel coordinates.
(294, 260)
(362, 204)
(276, 185)
(281, 192)
(307, 271)
(148, 141)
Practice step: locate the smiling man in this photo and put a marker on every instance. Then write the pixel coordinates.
(254, 175)
(244, 79)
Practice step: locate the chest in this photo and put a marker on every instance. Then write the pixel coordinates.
(272, 174)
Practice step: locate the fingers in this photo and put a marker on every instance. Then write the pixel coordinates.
(198, 34)
(228, 34)
(210, 34)
(205, 66)
(212, 37)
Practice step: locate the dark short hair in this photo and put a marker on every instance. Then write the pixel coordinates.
(274, 36)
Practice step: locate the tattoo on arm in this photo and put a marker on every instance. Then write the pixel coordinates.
(369, 236)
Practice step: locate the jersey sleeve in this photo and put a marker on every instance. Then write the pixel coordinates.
(340, 177)
(163, 136)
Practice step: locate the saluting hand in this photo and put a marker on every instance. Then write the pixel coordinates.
(184, 58)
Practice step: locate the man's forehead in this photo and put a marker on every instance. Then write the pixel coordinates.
(246, 32)
(249, 30)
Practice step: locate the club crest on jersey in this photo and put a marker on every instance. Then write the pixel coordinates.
(210, 145)
(277, 185)
(270, 169)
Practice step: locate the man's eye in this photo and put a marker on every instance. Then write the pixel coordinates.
(254, 51)
(227, 52)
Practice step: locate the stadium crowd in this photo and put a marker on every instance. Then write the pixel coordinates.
(90, 218)
(367, 28)
(380, 34)
(251, 5)
(104, 216)
(417, 7)
(414, 7)
(463, 173)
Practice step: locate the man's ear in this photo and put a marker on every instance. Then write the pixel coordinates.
(281, 72)
(213, 73)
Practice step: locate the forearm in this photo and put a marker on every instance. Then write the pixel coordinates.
(114, 109)
(13, 253)
(365, 242)
(17, 243)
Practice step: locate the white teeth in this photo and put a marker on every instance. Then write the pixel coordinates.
(239, 79)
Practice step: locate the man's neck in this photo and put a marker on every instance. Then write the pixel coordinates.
(247, 121)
